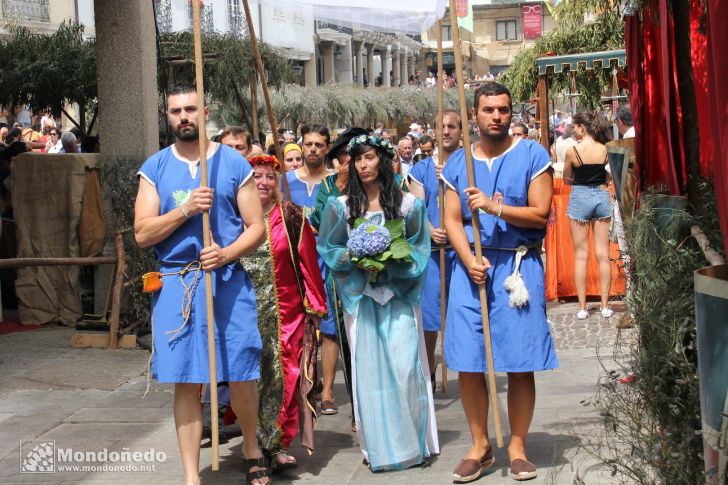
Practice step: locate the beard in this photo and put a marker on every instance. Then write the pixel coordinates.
(314, 162)
(188, 133)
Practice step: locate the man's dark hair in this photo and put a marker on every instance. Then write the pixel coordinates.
(491, 89)
(522, 126)
(624, 114)
(426, 139)
(318, 129)
(237, 131)
(181, 88)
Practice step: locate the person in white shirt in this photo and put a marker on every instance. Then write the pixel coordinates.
(623, 120)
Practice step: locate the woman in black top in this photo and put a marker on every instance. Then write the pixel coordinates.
(589, 205)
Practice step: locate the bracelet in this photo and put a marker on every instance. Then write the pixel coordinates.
(184, 212)
(500, 210)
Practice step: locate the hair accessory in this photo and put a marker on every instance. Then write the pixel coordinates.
(375, 141)
(265, 160)
(290, 147)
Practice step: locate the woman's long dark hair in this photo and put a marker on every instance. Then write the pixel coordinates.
(390, 195)
(595, 126)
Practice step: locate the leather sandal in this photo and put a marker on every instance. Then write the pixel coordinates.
(329, 407)
(261, 474)
(522, 470)
(469, 470)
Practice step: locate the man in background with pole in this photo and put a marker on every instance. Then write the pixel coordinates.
(424, 181)
(168, 217)
(512, 196)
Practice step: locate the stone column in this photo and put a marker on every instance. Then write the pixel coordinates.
(127, 97)
(359, 46)
(327, 52)
(396, 68)
(127, 84)
(309, 70)
(371, 76)
(386, 65)
(403, 68)
(411, 66)
(343, 65)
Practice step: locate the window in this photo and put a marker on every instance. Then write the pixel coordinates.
(32, 10)
(163, 11)
(236, 19)
(206, 21)
(446, 33)
(505, 30)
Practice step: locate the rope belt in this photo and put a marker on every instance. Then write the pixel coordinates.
(153, 283)
(514, 284)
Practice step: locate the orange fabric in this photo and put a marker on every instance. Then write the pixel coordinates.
(560, 253)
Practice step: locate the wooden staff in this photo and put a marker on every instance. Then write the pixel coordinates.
(442, 158)
(476, 224)
(266, 95)
(211, 348)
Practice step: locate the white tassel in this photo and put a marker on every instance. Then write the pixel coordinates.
(515, 285)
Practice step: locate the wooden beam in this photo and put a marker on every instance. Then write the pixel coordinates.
(100, 340)
(26, 262)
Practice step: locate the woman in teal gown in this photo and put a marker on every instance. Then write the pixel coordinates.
(390, 377)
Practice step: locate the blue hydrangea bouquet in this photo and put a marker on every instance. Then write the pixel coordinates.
(373, 247)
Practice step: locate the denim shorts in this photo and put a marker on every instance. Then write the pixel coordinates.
(589, 202)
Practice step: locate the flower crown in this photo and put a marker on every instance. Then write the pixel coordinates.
(373, 141)
(265, 160)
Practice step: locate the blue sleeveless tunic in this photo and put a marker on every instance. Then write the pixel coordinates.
(521, 337)
(182, 356)
(423, 173)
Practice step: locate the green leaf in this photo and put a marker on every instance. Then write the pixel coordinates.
(395, 228)
(371, 264)
(358, 222)
(400, 249)
(385, 255)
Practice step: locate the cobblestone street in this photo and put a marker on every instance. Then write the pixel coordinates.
(88, 399)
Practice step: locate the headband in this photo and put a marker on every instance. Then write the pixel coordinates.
(375, 141)
(265, 160)
(290, 147)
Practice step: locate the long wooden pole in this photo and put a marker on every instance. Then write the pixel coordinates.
(211, 347)
(266, 95)
(476, 224)
(442, 158)
(254, 107)
(543, 109)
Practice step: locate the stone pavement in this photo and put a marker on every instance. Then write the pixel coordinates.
(91, 400)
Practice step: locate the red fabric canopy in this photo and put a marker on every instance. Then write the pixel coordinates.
(656, 104)
(718, 104)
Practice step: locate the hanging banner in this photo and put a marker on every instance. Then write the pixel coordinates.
(464, 10)
(532, 21)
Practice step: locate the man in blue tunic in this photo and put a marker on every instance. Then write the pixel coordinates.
(168, 218)
(512, 197)
(304, 183)
(424, 181)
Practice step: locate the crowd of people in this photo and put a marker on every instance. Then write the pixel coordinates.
(294, 272)
(38, 133)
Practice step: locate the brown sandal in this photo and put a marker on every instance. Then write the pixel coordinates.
(469, 470)
(263, 471)
(522, 470)
(329, 408)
